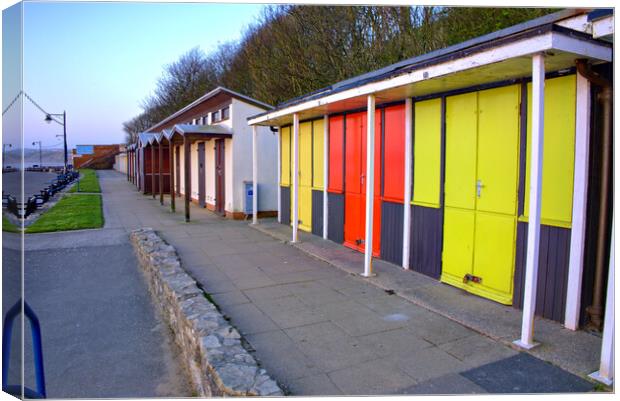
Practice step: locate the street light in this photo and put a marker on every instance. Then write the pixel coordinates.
(40, 155)
(49, 119)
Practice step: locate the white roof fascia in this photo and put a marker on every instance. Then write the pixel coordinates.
(603, 27)
(520, 48)
(582, 48)
(511, 50)
(578, 23)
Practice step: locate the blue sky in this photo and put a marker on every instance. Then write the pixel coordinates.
(97, 61)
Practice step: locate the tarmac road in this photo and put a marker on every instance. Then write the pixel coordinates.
(102, 336)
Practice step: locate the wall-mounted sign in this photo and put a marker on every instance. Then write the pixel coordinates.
(84, 150)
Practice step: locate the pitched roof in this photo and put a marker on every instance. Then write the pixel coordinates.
(209, 95)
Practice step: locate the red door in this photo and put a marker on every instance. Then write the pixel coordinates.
(355, 183)
(220, 177)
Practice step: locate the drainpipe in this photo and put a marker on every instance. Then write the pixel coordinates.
(595, 311)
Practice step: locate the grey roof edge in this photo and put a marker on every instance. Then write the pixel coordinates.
(144, 137)
(207, 96)
(359, 80)
(184, 129)
(599, 13)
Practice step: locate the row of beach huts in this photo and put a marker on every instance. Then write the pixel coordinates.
(487, 165)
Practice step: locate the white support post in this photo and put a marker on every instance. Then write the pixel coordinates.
(407, 199)
(278, 176)
(533, 229)
(370, 184)
(254, 175)
(605, 374)
(325, 173)
(295, 174)
(580, 198)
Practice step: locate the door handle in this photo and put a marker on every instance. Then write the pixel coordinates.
(479, 187)
(362, 178)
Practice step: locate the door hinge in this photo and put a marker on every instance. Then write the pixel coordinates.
(470, 277)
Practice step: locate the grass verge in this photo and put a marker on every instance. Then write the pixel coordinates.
(88, 182)
(72, 212)
(8, 226)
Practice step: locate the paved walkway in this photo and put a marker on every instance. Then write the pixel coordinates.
(321, 330)
(101, 335)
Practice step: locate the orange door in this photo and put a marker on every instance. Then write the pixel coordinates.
(355, 183)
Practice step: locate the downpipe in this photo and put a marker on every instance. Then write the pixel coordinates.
(595, 310)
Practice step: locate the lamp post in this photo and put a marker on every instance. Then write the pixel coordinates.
(4, 146)
(40, 154)
(49, 119)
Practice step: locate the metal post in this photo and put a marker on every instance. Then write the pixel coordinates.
(279, 175)
(533, 230)
(254, 176)
(295, 174)
(64, 127)
(161, 174)
(408, 170)
(370, 184)
(171, 169)
(187, 175)
(580, 199)
(152, 147)
(325, 174)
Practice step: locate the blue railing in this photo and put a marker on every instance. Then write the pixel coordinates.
(7, 333)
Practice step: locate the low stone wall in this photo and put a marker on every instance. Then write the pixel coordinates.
(211, 347)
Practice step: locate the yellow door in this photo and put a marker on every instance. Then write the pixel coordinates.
(482, 160)
(459, 189)
(305, 176)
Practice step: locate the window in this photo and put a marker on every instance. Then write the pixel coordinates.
(225, 113)
(215, 116)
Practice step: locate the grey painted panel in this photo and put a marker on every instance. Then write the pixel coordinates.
(392, 232)
(285, 205)
(317, 213)
(335, 228)
(552, 270)
(426, 240)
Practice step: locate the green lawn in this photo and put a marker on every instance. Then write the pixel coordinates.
(88, 182)
(72, 212)
(8, 226)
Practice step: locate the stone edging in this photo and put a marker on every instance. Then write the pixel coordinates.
(212, 350)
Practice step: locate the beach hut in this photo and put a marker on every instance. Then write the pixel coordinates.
(204, 158)
(484, 165)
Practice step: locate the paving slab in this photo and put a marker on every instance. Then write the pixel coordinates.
(280, 355)
(371, 378)
(526, 374)
(319, 384)
(451, 384)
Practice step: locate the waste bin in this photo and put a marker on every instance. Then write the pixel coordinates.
(249, 196)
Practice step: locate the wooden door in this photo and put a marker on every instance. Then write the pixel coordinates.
(220, 176)
(482, 155)
(305, 176)
(355, 183)
(201, 174)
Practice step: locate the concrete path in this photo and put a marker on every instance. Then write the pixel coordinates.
(576, 351)
(102, 337)
(317, 329)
